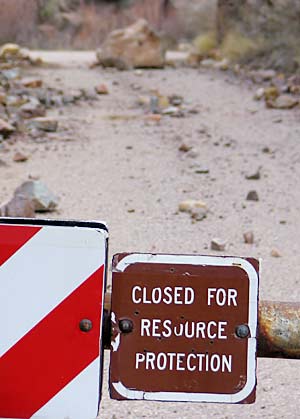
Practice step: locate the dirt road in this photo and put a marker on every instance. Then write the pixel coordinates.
(128, 171)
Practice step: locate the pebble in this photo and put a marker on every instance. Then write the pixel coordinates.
(31, 82)
(248, 237)
(6, 128)
(218, 244)
(184, 147)
(252, 196)
(20, 157)
(44, 124)
(283, 102)
(18, 206)
(102, 89)
(259, 94)
(196, 208)
(275, 253)
(254, 176)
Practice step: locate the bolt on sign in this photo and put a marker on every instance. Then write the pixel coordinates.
(52, 283)
(184, 328)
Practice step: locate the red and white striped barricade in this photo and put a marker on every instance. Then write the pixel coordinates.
(52, 284)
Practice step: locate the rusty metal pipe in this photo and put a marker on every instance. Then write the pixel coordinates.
(278, 328)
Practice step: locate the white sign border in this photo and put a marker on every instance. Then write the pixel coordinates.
(253, 309)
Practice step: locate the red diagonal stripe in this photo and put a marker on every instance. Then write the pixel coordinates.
(54, 352)
(12, 238)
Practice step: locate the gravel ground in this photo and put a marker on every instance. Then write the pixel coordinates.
(128, 171)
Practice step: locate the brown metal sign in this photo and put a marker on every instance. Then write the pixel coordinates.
(184, 328)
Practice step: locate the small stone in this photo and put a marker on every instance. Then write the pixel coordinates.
(259, 94)
(6, 128)
(275, 253)
(153, 117)
(248, 237)
(31, 82)
(20, 157)
(198, 214)
(139, 72)
(32, 109)
(218, 244)
(172, 111)
(196, 208)
(9, 51)
(283, 102)
(208, 63)
(11, 74)
(271, 93)
(18, 206)
(262, 75)
(44, 124)
(252, 196)
(184, 147)
(102, 89)
(222, 65)
(37, 192)
(144, 101)
(190, 204)
(254, 176)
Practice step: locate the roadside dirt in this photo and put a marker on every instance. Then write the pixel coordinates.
(127, 170)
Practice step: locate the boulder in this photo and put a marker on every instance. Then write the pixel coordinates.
(136, 46)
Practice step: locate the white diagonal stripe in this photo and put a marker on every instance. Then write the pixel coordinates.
(43, 273)
(78, 399)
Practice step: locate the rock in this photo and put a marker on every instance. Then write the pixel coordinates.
(44, 124)
(144, 101)
(20, 157)
(172, 111)
(275, 253)
(18, 206)
(190, 204)
(154, 117)
(208, 63)
(37, 192)
(102, 89)
(262, 75)
(218, 244)
(259, 94)
(139, 72)
(136, 46)
(252, 196)
(283, 102)
(248, 237)
(193, 59)
(271, 93)
(254, 176)
(6, 128)
(9, 51)
(2, 98)
(197, 209)
(11, 74)
(184, 147)
(32, 109)
(31, 82)
(222, 65)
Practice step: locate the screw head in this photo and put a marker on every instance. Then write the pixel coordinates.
(85, 325)
(126, 325)
(242, 331)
